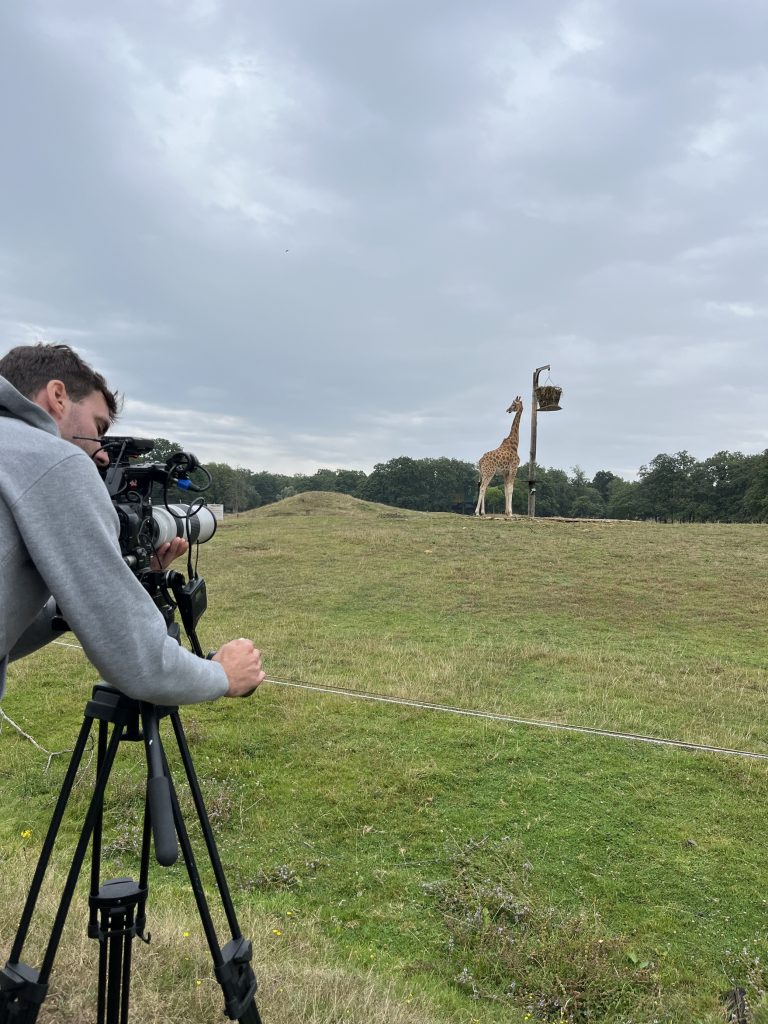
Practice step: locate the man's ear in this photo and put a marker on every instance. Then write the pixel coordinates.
(53, 398)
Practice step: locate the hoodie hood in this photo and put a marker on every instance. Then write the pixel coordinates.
(14, 404)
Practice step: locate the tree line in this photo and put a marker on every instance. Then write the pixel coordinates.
(727, 487)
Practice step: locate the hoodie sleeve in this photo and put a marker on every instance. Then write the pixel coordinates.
(69, 528)
(39, 633)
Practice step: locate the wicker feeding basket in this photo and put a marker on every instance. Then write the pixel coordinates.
(548, 398)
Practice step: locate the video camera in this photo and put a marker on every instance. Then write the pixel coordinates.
(145, 526)
(140, 495)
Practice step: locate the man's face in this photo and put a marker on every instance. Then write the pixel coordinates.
(87, 418)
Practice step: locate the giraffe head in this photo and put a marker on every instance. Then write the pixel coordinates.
(517, 405)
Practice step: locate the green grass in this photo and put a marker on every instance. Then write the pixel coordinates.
(393, 849)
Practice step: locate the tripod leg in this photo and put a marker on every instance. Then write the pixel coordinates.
(114, 924)
(101, 999)
(205, 825)
(232, 963)
(50, 839)
(111, 965)
(23, 989)
(116, 902)
(77, 861)
(127, 956)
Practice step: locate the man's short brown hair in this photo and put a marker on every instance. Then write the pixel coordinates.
(30, 367)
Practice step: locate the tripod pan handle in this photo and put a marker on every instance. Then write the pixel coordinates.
(161, 816)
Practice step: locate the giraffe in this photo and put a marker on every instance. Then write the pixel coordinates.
(504, 460)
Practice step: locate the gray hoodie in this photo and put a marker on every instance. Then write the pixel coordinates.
(59, 543)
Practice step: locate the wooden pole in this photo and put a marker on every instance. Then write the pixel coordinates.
(532, 461)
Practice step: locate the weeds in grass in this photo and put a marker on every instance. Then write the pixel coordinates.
(507, 945)
(282, 876)
(747, 968)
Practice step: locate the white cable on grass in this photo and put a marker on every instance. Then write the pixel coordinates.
(495, 717)
(492, 716)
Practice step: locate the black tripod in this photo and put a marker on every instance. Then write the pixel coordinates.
(117, 907)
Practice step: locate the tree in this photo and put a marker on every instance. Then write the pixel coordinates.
(665, 486)
(494, 500)
(235, 489)
(269, 485)
(350, 481)
(727, 487)
(163, 449)
(423, 484)
(755, 503)
(601, 481)
(588, 505)
(220, 482)
(448, 481)
(623, 499)
(553, 492)
(343, 481)
(579, 480)
(398, 482)
(243, 494)
(724, 480)
(586, 500)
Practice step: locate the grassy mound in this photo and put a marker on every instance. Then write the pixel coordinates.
(329, 503)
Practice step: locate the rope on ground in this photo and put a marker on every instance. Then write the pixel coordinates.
(513, 720)
(383, 698)
(51, 753)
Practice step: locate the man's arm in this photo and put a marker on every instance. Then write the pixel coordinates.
(39, 633)
(69, 528)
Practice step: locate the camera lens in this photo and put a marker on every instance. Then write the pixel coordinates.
(176, 521)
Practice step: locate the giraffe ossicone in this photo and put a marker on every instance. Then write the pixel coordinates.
(505, 460)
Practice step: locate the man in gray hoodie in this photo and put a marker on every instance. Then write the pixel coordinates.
(59, 542)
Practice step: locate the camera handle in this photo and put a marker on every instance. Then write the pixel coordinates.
(170, 590)
(118, 907)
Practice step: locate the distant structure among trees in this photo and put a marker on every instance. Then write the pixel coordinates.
(728, 487)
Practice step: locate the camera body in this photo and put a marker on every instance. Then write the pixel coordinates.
(144, 523)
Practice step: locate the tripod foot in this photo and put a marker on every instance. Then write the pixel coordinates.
(21, 994)
(238, 982)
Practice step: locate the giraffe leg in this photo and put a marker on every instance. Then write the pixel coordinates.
(480, 509)
(509, 486)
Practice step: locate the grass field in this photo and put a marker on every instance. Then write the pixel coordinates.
(407, 865)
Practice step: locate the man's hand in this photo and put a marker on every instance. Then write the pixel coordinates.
(168, 553)
(242, 663)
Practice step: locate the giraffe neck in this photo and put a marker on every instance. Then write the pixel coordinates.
(514, 435)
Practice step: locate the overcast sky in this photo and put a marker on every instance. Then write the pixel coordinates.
(331, 232)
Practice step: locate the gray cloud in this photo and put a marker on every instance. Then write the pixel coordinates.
(301, 235)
